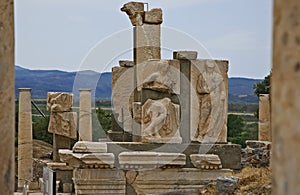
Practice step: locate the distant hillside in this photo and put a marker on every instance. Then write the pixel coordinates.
(43, 81)
(240, 90)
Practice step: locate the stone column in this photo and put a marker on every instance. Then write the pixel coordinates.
(85, 115)
(264, 118)
(7, 100)
(285, 94)
(146, 42)
(146, 31)
(24, 137)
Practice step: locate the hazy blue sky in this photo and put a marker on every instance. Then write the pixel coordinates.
(74, 35)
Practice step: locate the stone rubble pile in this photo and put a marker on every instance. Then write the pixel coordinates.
(256, 154)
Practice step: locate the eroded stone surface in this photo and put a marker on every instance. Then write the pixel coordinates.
(143, 159)
(209, 89)
(173, 181)
(159, 75)
(154, 16)
(183, 55)
(264, 118)
(85, 115)
(285, 93)
(135, 12)
(126, 63)
(160, 121)
(63, 123)
(146, 43)
(206, 161)
(59, 101)
(122, 97)
(226, 185)
(91, 160)
(89, 147)
(99, 181)
(25, 147)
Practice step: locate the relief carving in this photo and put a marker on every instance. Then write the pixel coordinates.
(160, 121)
(211, 96)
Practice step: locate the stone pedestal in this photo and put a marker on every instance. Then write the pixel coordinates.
(7, 100)
(172, 181)
(24, 137)
(285, 93)
(229, 154)
(59, 142)
(99, 181)
(85, 115)
(264, 132)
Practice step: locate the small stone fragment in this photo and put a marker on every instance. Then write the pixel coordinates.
(226, 184)
(206, 161)
(185, 55)
(154, 16)
(126, 63)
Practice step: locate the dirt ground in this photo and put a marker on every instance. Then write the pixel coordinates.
(253, 181)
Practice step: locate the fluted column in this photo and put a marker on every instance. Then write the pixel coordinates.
(85, 115)
(7, 98)
(24, 137)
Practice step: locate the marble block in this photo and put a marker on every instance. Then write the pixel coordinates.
(160, 121)
(209, 99)
(144, 159)
(185, 55)
(63, 123)
(59, 101)
(206, 161)
(82, 160)
(89, 147)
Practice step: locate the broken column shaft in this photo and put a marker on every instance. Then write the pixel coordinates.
(85, 115)
(24, 137)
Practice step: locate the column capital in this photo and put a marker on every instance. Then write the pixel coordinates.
(84, 89)
(24, 89)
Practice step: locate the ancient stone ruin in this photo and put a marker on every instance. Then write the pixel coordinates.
(169, 122)
(169, 127)
(175, 100)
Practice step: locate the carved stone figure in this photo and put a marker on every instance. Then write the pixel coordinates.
(135, 11)
(160, 121)
(59, 101)
(63, 123)
(159, 75)
(211, 101)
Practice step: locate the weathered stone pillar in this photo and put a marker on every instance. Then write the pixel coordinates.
(7, 100)
(285, 94)
(264, 132)
(85, 115)
(146, 31)
(24, 137)
(146, 42)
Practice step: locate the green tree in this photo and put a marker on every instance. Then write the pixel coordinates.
(104, 118)
(239, 131)
(263, 87)
(40, 129)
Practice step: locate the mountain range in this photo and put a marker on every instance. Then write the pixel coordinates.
(240, 90)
